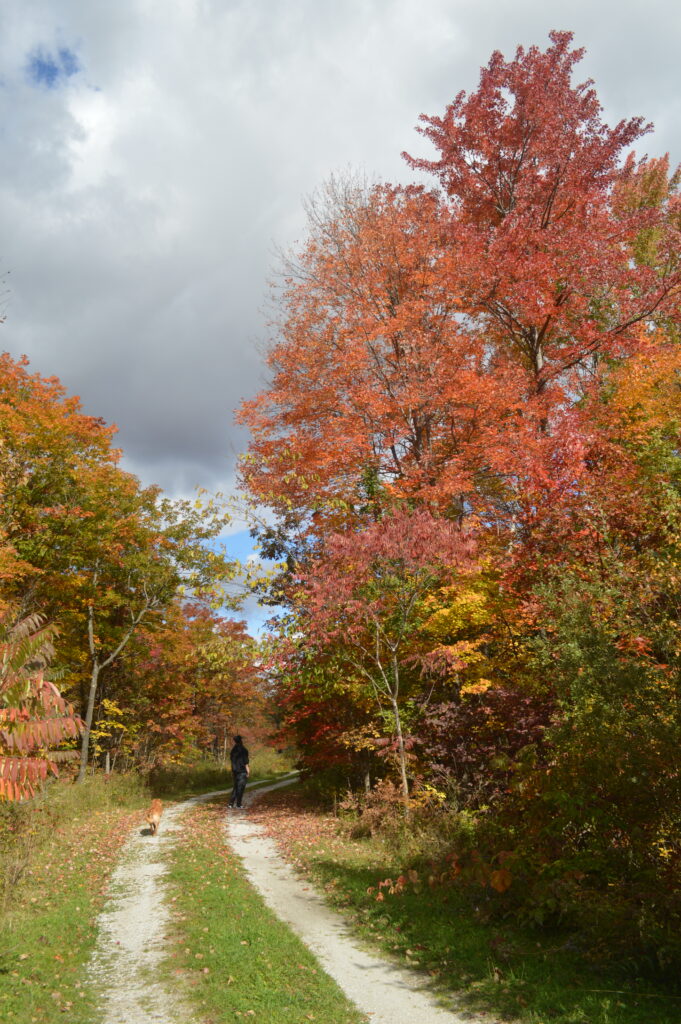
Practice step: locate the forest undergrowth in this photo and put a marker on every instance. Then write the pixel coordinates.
(386, 884)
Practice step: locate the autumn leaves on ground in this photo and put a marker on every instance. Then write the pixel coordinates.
(465, 470)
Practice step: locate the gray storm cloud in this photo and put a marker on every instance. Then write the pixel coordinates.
(154, 154)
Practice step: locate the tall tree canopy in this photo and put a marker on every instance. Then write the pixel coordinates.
(439, 341)
(86, 547)
(497, 355)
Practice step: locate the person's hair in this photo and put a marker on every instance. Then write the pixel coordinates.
(237, 739)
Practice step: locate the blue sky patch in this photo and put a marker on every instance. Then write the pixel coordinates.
(50, 69)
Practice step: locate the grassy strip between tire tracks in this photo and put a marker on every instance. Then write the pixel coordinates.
(56, 857)
(515, 973)
(234, 958)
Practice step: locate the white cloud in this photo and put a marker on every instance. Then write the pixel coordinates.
(140, 197)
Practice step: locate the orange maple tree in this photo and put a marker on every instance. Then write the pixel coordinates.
(438, 342)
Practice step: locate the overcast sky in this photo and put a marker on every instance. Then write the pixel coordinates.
(154, 152)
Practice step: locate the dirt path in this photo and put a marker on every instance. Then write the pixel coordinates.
(136, 918)
(132, 930)
(386, 992)
(131, 934)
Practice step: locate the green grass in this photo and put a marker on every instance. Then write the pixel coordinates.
(56, 854)
(521, 974)
(234, 957)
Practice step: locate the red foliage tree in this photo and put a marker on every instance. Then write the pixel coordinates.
(437, 344)
(539, 255)
(367, 590)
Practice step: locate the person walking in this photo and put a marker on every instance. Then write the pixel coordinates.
(238, 755)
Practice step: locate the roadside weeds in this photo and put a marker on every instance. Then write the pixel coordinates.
(521, 974)
(48, 928)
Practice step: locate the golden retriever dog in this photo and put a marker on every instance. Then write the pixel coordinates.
(154, 815)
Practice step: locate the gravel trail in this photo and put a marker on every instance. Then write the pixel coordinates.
(136, 918)
(132, 929)
(389, 994)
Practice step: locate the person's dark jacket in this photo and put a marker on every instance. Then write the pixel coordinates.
(239, 757)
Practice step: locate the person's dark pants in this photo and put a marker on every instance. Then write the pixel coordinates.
(239, 787)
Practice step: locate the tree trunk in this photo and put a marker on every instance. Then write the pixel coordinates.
(398, 731)
(401, 756)
(85, 743)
